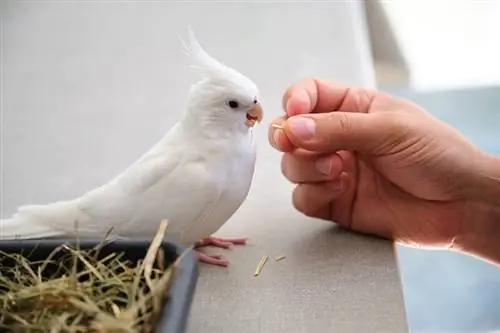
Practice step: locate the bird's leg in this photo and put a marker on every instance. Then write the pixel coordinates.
(225, 243)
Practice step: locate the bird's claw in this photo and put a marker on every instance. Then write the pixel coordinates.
(215, 259)
(225, 243)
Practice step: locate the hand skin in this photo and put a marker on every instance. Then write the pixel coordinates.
(382, 165)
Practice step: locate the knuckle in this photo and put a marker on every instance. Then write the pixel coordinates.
(365, 99)
(358, 100)
(397, 130)
(345, 125)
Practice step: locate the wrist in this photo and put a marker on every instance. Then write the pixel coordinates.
(480, 234)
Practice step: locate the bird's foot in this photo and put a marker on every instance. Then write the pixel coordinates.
(225, 243)
(212, 259)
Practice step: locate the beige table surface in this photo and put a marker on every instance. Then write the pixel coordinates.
(88, 86)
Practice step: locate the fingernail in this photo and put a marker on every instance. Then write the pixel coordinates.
(276, 137)
(324, 165)
(302, 127)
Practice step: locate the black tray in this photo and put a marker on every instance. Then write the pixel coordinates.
(178, 304)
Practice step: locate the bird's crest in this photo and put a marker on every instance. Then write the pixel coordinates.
(202, 62)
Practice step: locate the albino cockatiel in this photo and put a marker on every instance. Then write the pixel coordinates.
(196, 176)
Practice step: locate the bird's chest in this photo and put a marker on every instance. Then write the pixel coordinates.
(199, 197)
(233, 169)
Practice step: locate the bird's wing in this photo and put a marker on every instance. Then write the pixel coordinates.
(163, 180)
(187, 197)
(96, 211)
(115, 202)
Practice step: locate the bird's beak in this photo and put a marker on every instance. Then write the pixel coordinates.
(254, 115)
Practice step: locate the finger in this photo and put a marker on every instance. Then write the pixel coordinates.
(302, 168)
(342, 208)
(330, 132)
(277, 138)
(300, 98)
(314, 199)
(313, 95)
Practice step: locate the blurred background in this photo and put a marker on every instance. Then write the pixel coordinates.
(97, 57)
(444, 55)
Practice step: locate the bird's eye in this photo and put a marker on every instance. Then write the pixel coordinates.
(233, 104)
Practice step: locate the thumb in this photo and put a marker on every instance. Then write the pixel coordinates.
(329, 132)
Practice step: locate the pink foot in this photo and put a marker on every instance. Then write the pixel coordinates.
(225, 243)
(217, 260)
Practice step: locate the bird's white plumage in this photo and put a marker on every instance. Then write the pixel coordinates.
(196, 176)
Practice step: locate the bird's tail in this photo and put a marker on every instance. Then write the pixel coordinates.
(40, 221)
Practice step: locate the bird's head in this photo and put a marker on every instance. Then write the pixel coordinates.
(224, 95)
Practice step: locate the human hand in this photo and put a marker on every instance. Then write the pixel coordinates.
(381, 165)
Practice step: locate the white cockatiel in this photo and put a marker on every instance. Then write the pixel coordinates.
(196, 176)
